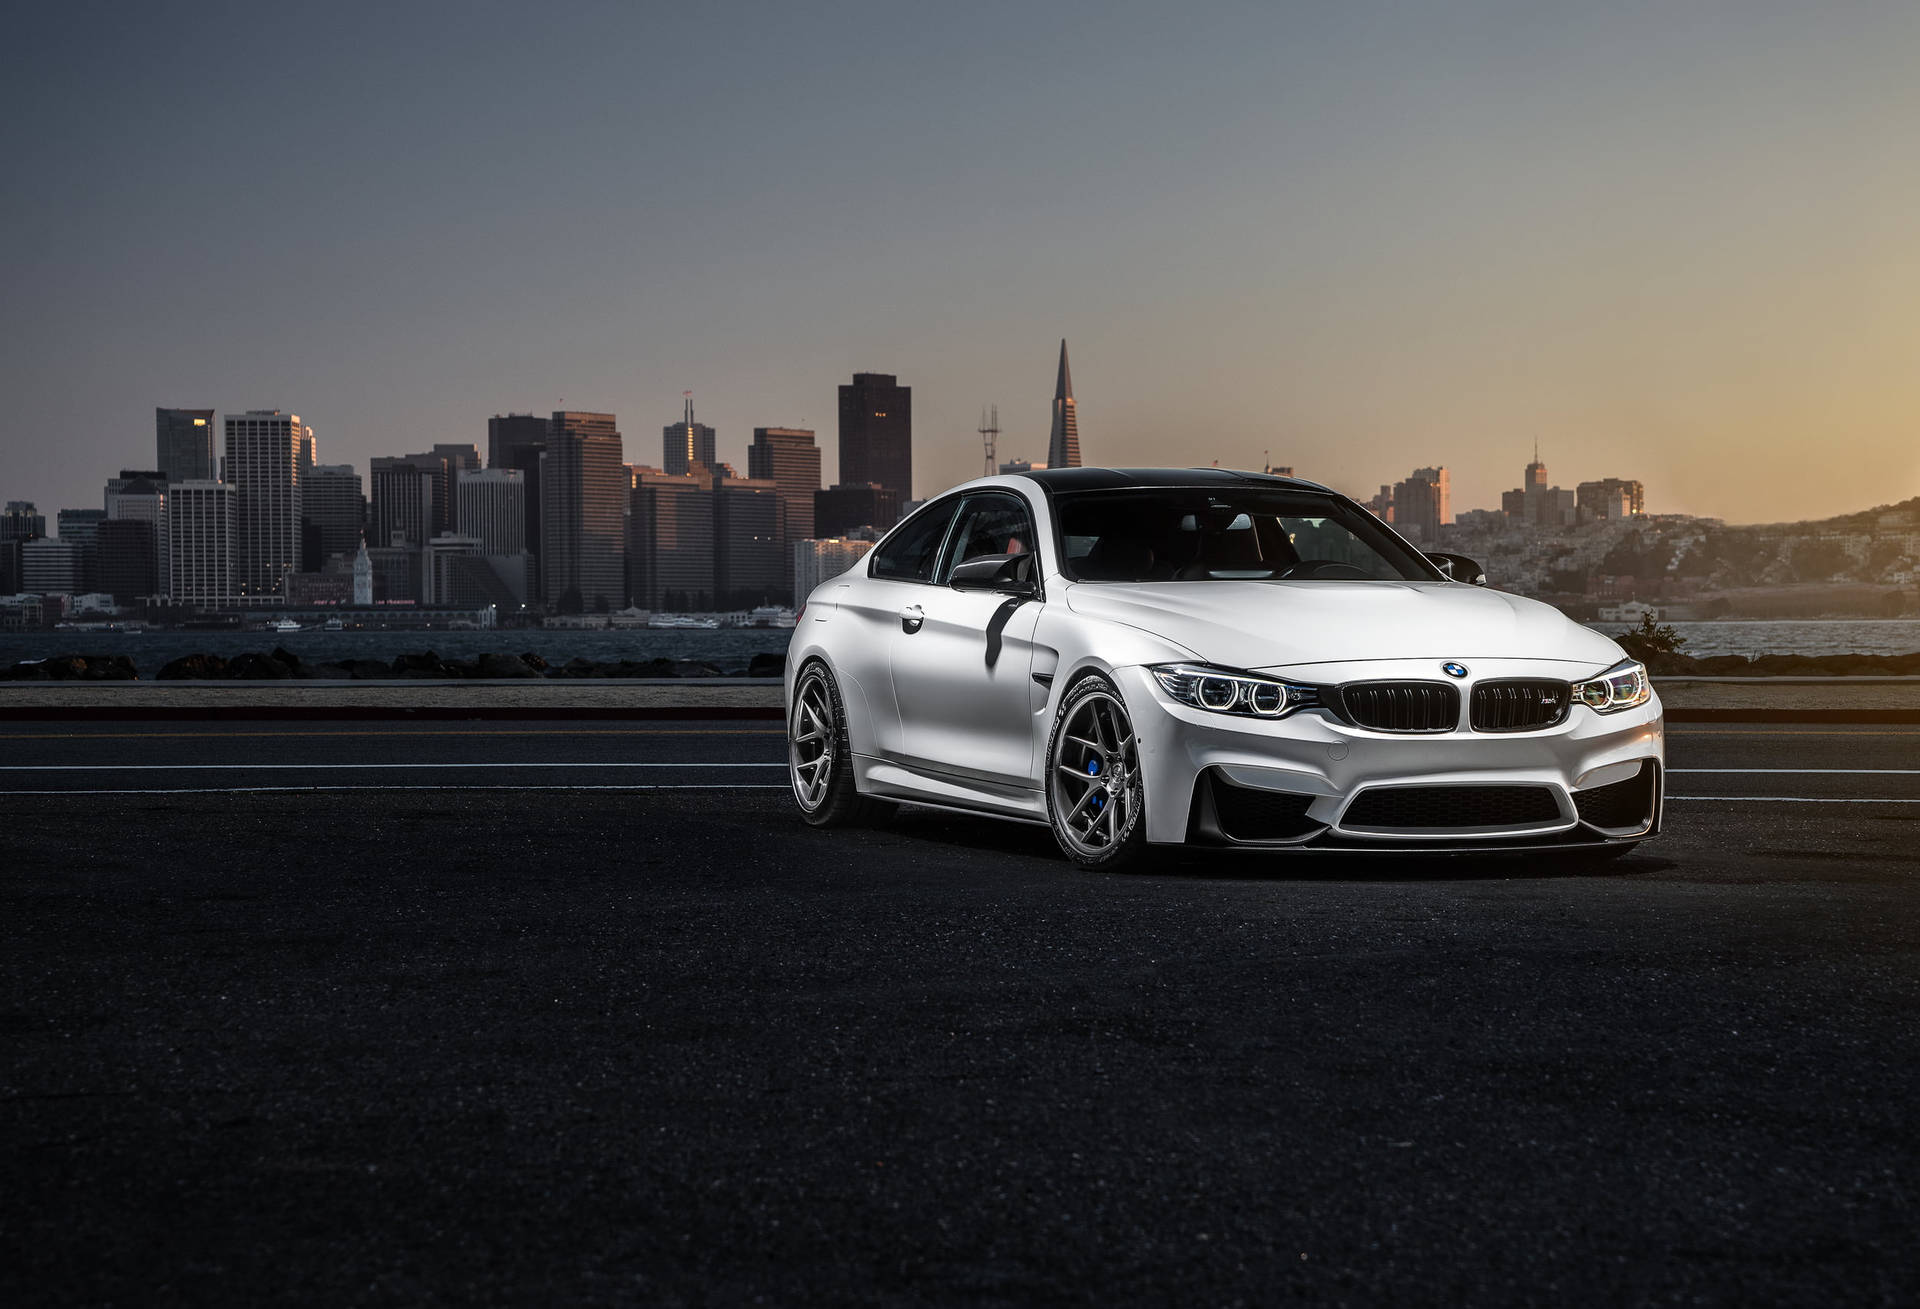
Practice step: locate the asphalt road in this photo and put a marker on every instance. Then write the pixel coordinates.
(461, 1034)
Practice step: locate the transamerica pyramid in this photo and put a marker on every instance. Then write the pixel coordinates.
(1063, 444)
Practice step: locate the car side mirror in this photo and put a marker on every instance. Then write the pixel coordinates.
(1459, 568)
(1007, 574)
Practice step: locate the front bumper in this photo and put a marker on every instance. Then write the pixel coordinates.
(1311, 781)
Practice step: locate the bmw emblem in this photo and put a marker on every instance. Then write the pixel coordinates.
(1454, 670)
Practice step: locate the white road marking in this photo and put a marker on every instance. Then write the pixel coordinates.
(183, 768)
(1797, 772)
(1797, 799)
(403, 786)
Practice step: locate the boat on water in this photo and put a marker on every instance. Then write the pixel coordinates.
(333, 625)
(771, 616)
(283, 625)
(682, 623)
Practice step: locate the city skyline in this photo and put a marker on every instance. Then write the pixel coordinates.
(1363, 237)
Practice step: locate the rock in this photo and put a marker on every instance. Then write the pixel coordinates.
(693, 668)
(26, 672)
(424, 664)
(535, 662)
(503, 666)
(194, 667)
(283, 655)
(767, 665)
(577, 667)
(367, 670)
(325, 672)
(252, 667)
(108, 668)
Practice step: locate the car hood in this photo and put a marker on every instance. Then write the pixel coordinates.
(1272, 624)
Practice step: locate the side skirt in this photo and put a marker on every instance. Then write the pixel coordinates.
(889, 780)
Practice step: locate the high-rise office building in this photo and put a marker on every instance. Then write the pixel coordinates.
(183, 444)
(129, 565)
(748, 567)
(81, 528)
(670, 540)
(20, 521)
(141, 496)
(583, 488)
(263, 467)
(1063, 439)
(493, 509)
(333, 510)
(50, 566)
(517, 441)
(876, 433)
(200, 542)
(686, 444)
(400, 501)
(816, 560)
(790, 459)
(307, 451)
(1610, 497)
(1421, 504)
(838, 510)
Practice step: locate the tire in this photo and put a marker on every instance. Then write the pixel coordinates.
(1096, 798)
(819, 761)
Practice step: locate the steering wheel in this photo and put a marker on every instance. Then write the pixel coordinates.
(1327, 568)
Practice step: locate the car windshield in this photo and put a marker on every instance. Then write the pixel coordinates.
(1182, 534)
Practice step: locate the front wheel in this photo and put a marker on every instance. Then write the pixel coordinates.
(819, 762)
(1096, 800)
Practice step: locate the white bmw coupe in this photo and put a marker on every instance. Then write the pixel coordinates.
(1161, 657)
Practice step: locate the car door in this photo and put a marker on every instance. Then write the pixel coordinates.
(898, 576)
(962, 663)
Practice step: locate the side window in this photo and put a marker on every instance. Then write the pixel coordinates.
(909, 555)
(989, 525)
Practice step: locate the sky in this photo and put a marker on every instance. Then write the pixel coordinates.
(1678, 242)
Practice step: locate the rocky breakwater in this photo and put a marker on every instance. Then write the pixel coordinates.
(1674, 664)
(280, 665)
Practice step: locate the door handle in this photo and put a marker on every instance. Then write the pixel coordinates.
(910, 619)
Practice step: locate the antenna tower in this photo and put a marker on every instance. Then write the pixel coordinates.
(990, 434)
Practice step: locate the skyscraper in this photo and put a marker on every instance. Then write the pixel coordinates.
(129, 566)
(1063, 441)
(1421, 504)
(183, 444)
(333, 513)
(200, 531)
(876, 433)
(583, 486)
(670, 545)
(81, 529)
(20, 521)
(263, 467)
(141, 496)
(789, 457)
(748, 569)
(839, 509)
(400, 501)
(814, 561)
(517, 441)
(493, 509)
(685, 444)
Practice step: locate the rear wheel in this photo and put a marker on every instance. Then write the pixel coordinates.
(819, 763)
(1096, 800)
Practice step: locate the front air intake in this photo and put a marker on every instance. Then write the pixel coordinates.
(1401, 706)
(1446, 807)
(1619, 805)
(1520, 706)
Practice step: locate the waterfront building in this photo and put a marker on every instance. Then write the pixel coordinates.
(839, 509)
(876, 434)
(583, 486)
(816, 560)
(687, 445)
(200, 530)
(362, 577)
(670, 539)
(263, 467)
(1063, 438)
(748, 566)
(183, 444)
(791, 459)
(333, 514)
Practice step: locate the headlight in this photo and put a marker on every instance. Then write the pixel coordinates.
(1226, 692)
(1621, 687)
